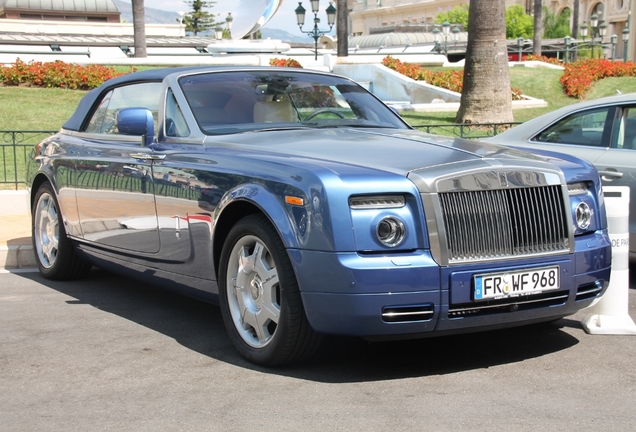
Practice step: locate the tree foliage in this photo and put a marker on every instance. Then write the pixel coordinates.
(518, 23)
(456, 15)
(199, 20)
(556, 27)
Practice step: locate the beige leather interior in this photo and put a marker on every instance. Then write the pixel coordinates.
(277, 108)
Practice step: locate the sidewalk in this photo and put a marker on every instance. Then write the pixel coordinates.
(16, 250)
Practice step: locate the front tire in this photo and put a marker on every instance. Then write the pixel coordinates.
(259, 296)
(54, 251)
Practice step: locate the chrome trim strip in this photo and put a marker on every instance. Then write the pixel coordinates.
(399, 314)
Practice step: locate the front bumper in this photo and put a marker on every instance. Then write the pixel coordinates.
(409, 295)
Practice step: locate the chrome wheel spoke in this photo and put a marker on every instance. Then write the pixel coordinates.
(253, 292)
(47, 230)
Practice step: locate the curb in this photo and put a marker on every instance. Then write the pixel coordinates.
(16, 249)
(17, 257)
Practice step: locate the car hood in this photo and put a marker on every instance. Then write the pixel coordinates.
(397, 151)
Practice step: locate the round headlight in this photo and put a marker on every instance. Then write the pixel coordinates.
(390, 231)
(583, 215)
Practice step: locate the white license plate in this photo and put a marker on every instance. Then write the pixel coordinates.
(513, 284)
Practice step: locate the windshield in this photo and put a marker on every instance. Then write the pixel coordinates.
(233, 102)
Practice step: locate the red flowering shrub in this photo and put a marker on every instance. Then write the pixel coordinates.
(56, 74)
(284, 62)
(579, 76)
(551, 60)
(451, 80)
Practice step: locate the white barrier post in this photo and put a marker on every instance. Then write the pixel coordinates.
(610, 313)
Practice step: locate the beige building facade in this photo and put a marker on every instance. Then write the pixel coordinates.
(370, 16)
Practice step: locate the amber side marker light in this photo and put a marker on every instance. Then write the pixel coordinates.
(292, 200)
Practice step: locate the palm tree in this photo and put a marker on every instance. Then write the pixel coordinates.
(538, 28)
(486, 95)
(139, 27)
(342, 28)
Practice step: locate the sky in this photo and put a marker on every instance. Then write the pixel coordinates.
(284, 19)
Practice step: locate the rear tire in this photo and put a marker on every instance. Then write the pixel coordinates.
(54, 251)
(259, 296)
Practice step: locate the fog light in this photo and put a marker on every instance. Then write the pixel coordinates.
(583, 215)
(390, 231)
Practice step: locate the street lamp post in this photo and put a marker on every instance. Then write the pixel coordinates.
(602, 31)
(228, 24)
(456, 34)
(614, 39)
(583, 29)
(594, 24)
(446, 31)
(520, 42)
(315, 33)
(566, 41)
(625, 36)
(181, 15)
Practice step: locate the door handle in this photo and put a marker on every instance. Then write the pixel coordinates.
(611, 174)
(147, 156)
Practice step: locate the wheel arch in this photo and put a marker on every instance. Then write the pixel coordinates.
(38, 181)
(232, 210)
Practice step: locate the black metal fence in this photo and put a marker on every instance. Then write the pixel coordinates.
(464, 130)
(16, 145)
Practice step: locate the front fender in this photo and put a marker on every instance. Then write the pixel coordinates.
(290, 221)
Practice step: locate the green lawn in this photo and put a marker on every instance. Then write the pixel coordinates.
(27, 108)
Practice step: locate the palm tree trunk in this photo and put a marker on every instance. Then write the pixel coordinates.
(538, 27)
(342, 28)
(486, 95)
(139, 27)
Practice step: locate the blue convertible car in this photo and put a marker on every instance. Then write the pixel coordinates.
(304, 207)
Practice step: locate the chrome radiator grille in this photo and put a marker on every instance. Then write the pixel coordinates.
(492, 224)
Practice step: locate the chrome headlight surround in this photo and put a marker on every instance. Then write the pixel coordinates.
(384, 221)
(582, 205)
(390, 231)
(583, 216)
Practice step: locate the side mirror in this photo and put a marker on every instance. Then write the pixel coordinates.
(136, 121)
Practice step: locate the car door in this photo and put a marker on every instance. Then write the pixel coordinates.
(617, 166)
(114, 183)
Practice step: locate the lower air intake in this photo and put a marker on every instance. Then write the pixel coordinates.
(508, 305)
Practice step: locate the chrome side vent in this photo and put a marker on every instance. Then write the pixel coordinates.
(410, 313)
(588, 291)
(493, 224)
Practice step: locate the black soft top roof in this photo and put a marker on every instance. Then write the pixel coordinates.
(86, 104)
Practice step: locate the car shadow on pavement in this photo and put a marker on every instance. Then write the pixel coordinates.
(198, 326)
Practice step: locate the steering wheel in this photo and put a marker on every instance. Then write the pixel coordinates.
(324, 110)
